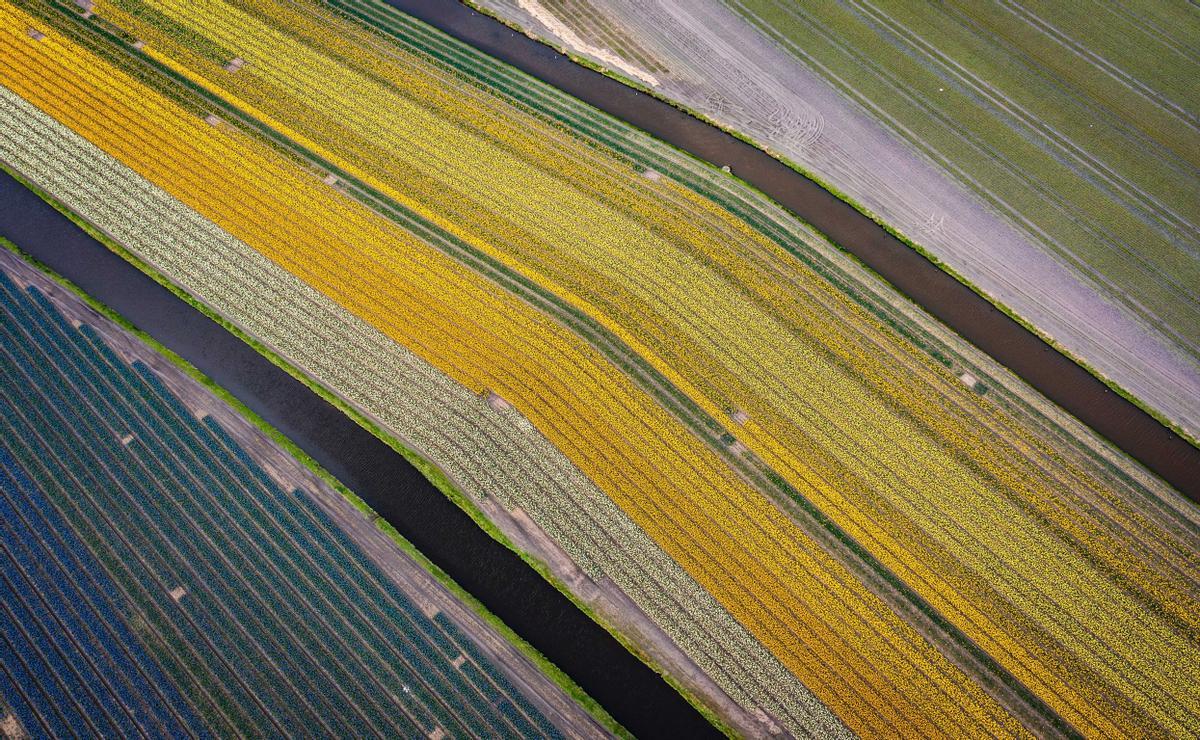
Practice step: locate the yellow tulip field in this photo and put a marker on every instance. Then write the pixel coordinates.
(896, 551)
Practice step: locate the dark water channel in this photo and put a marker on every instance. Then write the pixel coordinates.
(635, 695)
(1056, 376)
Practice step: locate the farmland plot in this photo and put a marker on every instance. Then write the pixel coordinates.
(169, 571)
(1044, 152)
(859, 540)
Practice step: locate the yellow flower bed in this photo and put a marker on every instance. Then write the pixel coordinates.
(883, 441)
(870, 667)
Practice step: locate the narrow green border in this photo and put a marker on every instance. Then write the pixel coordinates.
(837, 193)
(428, 469)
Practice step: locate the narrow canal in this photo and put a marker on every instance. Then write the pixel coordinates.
(634, 694)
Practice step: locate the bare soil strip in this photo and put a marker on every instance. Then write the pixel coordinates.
(1052, 373)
